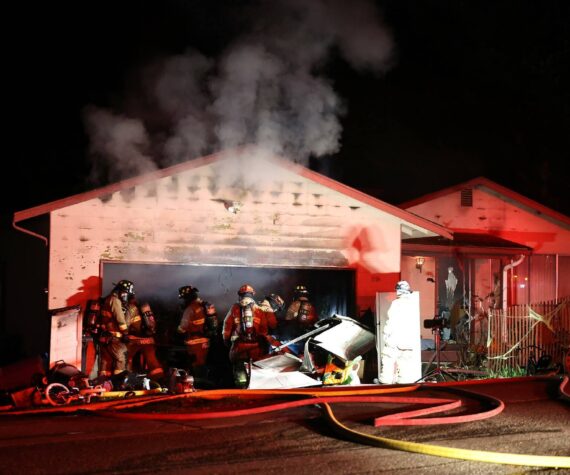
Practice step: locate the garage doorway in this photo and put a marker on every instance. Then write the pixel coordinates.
(331, 290)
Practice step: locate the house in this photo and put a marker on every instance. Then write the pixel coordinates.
(507, 252)
(215, 223)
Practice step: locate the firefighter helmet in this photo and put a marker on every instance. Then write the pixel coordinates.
(276, 302)
(301, 291)
(246, 289)
(403, 288)
(187, 291)
(125, 286)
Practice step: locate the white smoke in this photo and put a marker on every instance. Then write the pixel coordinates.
(118, 143)
(267, 88)
(259, 99)
(179, 93)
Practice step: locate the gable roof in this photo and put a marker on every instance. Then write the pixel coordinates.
(499, 191)
(210, 159)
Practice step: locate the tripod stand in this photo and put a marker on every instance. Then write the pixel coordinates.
(437, 371)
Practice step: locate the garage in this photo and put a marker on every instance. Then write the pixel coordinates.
(220, 221)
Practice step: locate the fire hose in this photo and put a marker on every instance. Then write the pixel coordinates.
(326, 398)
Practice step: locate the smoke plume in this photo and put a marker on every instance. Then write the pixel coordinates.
(267, 87)
(118, 145)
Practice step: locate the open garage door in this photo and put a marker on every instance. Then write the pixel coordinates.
(331, 291)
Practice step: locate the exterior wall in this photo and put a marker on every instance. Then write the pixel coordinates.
(563, 283)
(286, 222)
(499, 217)
(543, 278)
(424, 282)
(368, 284)
(483, 279)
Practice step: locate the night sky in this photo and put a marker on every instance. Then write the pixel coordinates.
(469, 88)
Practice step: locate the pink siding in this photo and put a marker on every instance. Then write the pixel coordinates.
(563, 276)
(184, 219)
(494, 215)
(483, 278)
(421, 282)
(542, 278)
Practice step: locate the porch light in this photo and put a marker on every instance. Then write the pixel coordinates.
(420, 262)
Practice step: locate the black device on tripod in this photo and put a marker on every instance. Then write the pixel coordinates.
(436, 325)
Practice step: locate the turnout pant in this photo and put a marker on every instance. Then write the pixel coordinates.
(113, 355)
(148, 353)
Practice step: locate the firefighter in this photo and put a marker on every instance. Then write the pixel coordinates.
(245, 333)
(114, 330)
(91, 334)
(142, 328)
(272, 305)
(300, 317)
(198, 326)
(301, 310)
(398, 341)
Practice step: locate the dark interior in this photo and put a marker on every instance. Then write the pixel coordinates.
(331, 291)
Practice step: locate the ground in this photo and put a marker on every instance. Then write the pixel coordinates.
(534, 421)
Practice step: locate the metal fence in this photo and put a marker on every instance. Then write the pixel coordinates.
(539, 328)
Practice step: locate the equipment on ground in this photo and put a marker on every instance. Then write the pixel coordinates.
(437, 372)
